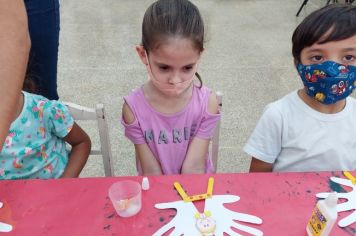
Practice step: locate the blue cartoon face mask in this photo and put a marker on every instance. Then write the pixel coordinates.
(329, 81)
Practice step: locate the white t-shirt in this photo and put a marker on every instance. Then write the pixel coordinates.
(295, 137)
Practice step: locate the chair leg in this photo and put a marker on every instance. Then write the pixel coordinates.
(301, 7)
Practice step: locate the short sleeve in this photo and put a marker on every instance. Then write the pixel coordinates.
(133, 132)
(207, 125)
(265, 142)
(60, 121)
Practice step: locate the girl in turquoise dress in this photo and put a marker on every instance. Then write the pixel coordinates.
(35, 146)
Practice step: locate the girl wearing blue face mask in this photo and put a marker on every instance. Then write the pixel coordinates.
(314, 128)
(171, 118)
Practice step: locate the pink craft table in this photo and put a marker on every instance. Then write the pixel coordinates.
(81, 206)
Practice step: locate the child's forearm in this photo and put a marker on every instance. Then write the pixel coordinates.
(198, 168)
(195, 159)
(151, 168)
(260, 166)
(148, 162)
(153, 172)
(77, 159)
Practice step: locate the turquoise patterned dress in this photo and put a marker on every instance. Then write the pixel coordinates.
(34, 146)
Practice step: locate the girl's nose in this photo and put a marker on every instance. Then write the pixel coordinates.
(175, 78)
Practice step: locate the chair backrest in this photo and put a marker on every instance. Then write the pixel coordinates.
(98, 113)
(216, 137)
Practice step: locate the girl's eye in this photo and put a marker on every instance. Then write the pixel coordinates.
(164, 68)
(349, 58)
(316, 58)
(188, 68)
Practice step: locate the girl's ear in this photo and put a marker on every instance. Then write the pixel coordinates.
(142, 54)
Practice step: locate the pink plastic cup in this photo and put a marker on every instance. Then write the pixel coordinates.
(126, 197)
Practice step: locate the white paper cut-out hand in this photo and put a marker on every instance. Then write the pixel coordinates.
(225, 218)
(350, 204)
(184, 221)
(3, 226)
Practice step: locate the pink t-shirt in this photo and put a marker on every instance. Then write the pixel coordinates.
(169, 136)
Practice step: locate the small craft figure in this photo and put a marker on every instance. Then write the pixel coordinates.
(205, 223)
(4, 227)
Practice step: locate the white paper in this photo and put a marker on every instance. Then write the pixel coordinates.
(184, 221)
(350, 204)
(5, 227)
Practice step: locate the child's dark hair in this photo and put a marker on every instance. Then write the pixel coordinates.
(172, 18)
(334, 22)
(29, 84)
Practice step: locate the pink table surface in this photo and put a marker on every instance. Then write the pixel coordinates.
(81, 206)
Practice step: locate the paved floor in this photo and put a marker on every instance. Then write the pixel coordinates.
(247, 57)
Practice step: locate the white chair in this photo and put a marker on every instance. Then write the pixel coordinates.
(98, 113)
(216, 137)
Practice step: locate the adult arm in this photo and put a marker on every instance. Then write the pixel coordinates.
(14, 49)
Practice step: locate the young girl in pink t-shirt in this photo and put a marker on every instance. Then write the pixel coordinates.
(171, 119)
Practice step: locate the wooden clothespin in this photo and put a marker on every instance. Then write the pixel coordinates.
(350, 177)
(198, 197)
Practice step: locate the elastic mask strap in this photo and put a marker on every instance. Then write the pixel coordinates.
(149, 66)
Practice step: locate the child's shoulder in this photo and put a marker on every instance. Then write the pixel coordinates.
(351, 104)
(40, 100)
(351, 100)
(208, 98)
(284, 104)
(202, 92)
(134, 94)
(287, 99)
(38, 103)
(34, 97)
